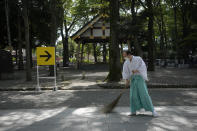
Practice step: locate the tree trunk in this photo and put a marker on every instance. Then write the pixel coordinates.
(104, 53)
(16, 56)
(64, 52)
(20, 62)
(26, 23)
(129, 45)
(161, 37)
(165, 41)
(53, 31)
(121, 52)
(8, 23)
(95, 54)
(30, 50)
(65, 47)
(137, 46)
(31, 44)
(151, 45)
(184, 18)
(162, 31)
(186, 8)
(176, 31)
(134, 36)
(114, 50)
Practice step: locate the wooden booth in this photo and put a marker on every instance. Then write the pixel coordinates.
(95, 31)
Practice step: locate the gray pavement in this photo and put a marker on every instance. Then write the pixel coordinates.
(77, 107)
(79, 110)
(171, 118)
(87, 98)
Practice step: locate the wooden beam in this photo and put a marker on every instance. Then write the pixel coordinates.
(93, 37)
(102, 27)
(83, 29)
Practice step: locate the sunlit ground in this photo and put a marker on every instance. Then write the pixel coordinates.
(90, 118)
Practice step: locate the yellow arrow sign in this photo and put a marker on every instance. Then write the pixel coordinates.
(45, 55)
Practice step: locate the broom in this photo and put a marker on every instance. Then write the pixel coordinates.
(109, 108)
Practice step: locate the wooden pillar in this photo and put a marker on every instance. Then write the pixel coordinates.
(82, 52)
(104, 53)
(78, 52)
(95, 54)
(88, 47)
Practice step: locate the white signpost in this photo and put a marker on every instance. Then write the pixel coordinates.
(46, 57)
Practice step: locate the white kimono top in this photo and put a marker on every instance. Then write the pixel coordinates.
(136, 64)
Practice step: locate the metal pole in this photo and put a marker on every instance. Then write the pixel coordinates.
(55, 79)
(38, 81)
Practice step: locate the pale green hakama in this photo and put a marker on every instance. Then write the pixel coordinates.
(139, 97)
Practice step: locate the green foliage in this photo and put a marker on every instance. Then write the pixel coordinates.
(72, 47)
(59, 49)
(73, 60)
(98, 50)
(78, 12)
(88, 48)
(87, 62)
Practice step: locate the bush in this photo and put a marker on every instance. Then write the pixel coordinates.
(73, 60)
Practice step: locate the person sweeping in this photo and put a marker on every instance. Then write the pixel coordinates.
(135, 74)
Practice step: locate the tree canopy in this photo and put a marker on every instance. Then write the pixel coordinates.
(153, 29)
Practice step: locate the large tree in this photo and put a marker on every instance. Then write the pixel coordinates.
(151, 41)
(26, 23)
(20, 43)
(160, 21)
(53, 28)
(66, 7)
(114, 50)
(8, 22)
(134, 34)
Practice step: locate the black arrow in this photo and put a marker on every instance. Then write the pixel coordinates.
(48, 55)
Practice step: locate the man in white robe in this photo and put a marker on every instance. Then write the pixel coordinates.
(135, 74)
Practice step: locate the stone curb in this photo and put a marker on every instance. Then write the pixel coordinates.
(102, 86)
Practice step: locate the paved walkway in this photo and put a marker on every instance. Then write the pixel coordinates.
(171, 118)
(69, 78)
(79, 110)
(88, 98)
